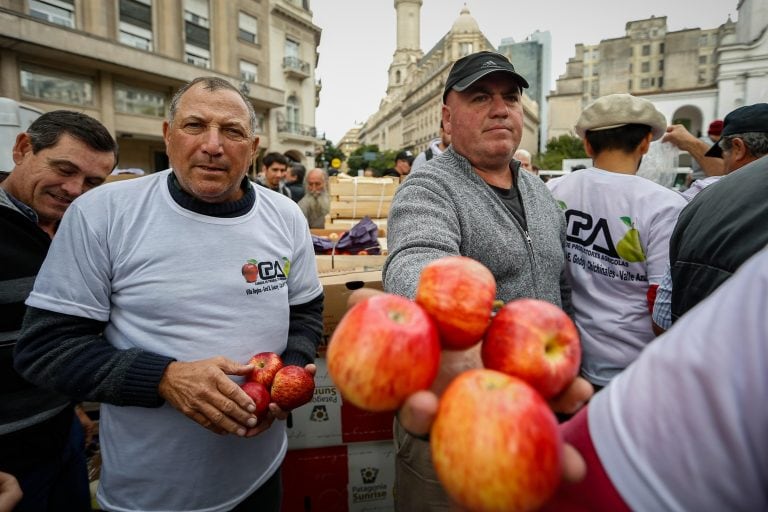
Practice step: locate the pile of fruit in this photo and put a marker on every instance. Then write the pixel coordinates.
(495, 441)
(271, 381)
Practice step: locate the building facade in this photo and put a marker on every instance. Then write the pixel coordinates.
(120, 61)
(677, 70)
(409, 115)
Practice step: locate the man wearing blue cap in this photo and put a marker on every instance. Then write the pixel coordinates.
(725, 223)
(744, 140)
(472, 200)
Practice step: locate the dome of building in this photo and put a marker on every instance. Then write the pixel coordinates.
(465, 23)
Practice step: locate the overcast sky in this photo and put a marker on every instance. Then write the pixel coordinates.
(359, 38)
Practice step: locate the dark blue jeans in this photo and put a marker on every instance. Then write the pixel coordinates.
(61, 483)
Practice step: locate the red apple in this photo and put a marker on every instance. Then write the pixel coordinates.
(495, 443)
(250, 271)
(384, 349)
(260, 396)
(458, 293)
(293, 387)
(266, 365)
(536, 341)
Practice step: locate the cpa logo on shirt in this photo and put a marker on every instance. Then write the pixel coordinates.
(585, 230)
(253, 270)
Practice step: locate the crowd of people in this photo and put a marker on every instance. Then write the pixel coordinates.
(132, 295)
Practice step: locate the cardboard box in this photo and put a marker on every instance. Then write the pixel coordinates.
(338, 286)
(328, 421)
(354, 478)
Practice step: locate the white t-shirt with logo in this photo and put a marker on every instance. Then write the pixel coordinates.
(171, 281)
(617, 244)
(685, 427)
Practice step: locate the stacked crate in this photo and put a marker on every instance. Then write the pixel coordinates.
(353, 198)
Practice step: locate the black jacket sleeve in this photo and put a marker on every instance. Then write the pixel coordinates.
(69, 354)
(304, 332)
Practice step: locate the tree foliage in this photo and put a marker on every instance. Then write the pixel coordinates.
(564, 146)
(329, 153)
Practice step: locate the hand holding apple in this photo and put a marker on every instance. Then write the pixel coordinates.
(495, 443)
(293, 387)
(383, 350)
(535, 341)
(458, 293)
(265, 366)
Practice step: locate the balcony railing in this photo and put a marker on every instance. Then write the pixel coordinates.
(296, 67)
(297, 129)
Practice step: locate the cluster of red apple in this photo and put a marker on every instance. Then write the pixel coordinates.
(495, 441)
(271, 381)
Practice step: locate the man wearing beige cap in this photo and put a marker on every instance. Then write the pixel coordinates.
(618, 233)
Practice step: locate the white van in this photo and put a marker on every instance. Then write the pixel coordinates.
(15, 118)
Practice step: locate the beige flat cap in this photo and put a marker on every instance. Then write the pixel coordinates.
(616, 110)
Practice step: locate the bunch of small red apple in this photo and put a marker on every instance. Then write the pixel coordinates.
(495, 441)
(271, 381)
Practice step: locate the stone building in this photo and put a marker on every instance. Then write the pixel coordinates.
(409, 115)
(120, 61)
(680, 71)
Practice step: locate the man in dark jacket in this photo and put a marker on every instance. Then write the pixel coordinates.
(725, 223)
(62, 155)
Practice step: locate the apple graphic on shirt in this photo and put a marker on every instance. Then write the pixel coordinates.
(251, 271)
(629, 247)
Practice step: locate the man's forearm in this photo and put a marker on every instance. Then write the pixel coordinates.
(70, 355)
(304, 332)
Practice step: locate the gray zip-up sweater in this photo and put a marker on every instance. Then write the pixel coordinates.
(445, 208)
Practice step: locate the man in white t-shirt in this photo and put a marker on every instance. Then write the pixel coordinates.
(617, 239)
(144, 304)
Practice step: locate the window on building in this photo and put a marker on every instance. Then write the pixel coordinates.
(630, 67)
(136, 23)
(645, 67)
(465, 49)
(50, 85)
(292, 48)
(646, 49)
(292, 114)
(397, 76)
(702, 77)
(661, 65)
(196, 30)
(703, 40)
(249, 71)
(661, 47)
(629, 84)
(61, 12)
(661, 82)
(702, 59)
(135, 100)
(645, 83)
(247, 28)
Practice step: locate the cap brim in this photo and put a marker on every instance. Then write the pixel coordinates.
(715, 151)
(462, 85)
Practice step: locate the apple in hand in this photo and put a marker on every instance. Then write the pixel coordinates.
(535, 341)
(293, 387)
(458, 293)
(384, 349)
(495, 443)
(260, 396)
(266, 365)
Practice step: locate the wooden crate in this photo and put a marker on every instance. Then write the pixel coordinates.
(370, 188)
